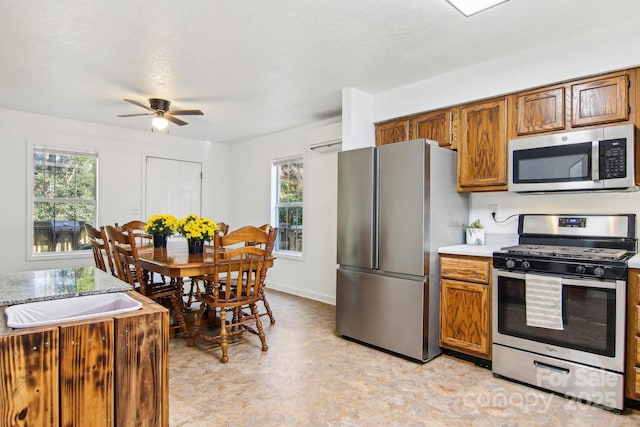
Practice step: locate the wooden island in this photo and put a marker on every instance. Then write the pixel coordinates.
(104, 371)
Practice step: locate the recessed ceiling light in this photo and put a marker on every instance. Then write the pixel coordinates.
(470, 7)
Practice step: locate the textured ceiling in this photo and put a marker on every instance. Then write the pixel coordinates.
(257, 66)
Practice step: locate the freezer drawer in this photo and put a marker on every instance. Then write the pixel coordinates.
(384, 311)
(583, 382)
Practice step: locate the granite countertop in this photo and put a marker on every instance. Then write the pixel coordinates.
(42, 285)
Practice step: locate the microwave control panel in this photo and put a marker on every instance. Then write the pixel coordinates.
(613, 158)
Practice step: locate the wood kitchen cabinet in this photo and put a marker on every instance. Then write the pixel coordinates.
(107, 371)
(600, 100)
(480, 130)
(540, 110)
(29, 370)
(572, 105)
(441, 126)
(632, 372)
(392, 131)
(482, 149)
(465, 304)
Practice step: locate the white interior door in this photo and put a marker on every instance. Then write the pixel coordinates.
(173, 187)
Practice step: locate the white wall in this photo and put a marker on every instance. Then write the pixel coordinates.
(599, 51)
(358, 129)
(510, 203)
(249, 203)
(613, 49)
(121, 176)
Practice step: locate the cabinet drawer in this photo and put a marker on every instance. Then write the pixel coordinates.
(636, 374)
(637, 363)
(637, 319)
(470, 269)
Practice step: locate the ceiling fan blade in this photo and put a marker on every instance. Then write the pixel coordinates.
(134, 115)
(186, 112)
(138, 104)
(175, 120)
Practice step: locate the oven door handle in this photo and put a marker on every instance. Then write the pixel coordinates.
(588, 283)
(600, 284)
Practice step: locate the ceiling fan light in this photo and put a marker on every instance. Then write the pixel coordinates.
(159, 123)
(471, 7)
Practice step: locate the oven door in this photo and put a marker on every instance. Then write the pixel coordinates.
(590, 321)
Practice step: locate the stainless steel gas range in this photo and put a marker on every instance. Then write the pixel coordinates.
(559, 301)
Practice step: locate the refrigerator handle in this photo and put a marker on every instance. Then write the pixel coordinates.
(375, 230)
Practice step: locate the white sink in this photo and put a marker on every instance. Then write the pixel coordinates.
(69, 309)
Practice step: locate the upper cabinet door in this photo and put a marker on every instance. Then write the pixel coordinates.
(482, 151)
(435, 125)
(540, 111)
(393, 131)
(601, 100)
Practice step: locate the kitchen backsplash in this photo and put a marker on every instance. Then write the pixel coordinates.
(561, 203)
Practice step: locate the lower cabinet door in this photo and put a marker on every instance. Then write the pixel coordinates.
(86, 374)
(464, 317)
(29, 373)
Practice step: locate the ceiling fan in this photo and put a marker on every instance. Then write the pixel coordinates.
(162, 115)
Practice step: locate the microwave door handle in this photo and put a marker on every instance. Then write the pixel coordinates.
(595, 160)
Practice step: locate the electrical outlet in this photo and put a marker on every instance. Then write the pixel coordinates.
(493, 210)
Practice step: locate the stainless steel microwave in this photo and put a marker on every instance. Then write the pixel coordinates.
(594, 159)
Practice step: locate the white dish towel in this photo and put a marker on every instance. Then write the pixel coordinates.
(544, 301)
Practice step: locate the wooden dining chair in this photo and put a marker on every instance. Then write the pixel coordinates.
(223, 229)
(101, 250)
(125, 257)
(263, 297)
(137, 228)
(244, 268)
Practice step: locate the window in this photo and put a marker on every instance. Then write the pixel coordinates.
(64, 199)
(288, 207)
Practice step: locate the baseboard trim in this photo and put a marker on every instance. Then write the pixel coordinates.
(327, 299)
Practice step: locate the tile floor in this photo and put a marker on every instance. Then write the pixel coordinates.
(311, 377)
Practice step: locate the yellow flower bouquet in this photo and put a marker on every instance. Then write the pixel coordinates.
(194, 227)
(164, 225)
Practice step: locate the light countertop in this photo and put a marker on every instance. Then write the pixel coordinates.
(500, 241)
(42, 285)
(634, 262)
(494, 242)
(470, 250)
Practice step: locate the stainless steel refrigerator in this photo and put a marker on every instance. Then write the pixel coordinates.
(397, 204)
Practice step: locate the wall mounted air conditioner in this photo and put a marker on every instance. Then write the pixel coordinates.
(327, 146)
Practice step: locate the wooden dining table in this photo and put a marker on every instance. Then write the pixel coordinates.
(175, 262)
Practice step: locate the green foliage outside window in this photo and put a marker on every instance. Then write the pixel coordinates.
(64, 189)
(289, 205)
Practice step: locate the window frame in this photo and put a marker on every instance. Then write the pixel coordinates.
(31, 199)
(275, 204)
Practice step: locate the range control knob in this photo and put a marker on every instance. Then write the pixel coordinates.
(598, 271)
(581, 269)
(526, 264)
(510, 263)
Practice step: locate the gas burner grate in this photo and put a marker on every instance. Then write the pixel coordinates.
(568, 252)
